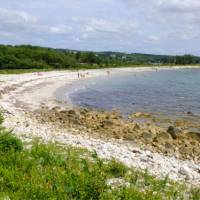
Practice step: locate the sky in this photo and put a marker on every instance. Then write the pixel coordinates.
(134, 26)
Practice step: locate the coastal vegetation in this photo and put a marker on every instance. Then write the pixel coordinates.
(50, 171)
(37, 170)
(29, 58)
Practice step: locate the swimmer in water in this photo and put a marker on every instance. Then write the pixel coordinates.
(108, 72)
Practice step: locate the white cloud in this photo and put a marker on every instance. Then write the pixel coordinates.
(149, 26)
(179, 12)
(16, 17)
(84, 35)
(180, 5)
(60, 29)
(153, 38)
(6, 34)
(113, 27)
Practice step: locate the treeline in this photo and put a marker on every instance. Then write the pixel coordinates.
(187, 59)
(27, 56)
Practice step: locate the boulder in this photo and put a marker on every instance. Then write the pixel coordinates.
(189, 113)
(181, 123)
(147, 136)
(71, 112)
(184, 170)
(141, 115)
(84, 111)
(169, 145)
(174, 132)
(169, 148)
(107, 123)
(164, 136)
(56, 108)
(136, 127)
(192, 134)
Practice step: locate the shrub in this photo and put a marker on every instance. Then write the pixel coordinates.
(116, 169)
(9, 142)
(1, 118)
(52, 172)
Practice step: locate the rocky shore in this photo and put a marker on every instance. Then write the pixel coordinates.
(181, 143)
(30, 109)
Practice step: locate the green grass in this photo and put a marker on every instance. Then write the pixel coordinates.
(50, 171)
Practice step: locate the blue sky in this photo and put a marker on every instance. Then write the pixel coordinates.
(146, 26)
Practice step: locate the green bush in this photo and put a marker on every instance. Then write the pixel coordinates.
(116, 169)
(9, 142)
(52, 172)
(1, 119)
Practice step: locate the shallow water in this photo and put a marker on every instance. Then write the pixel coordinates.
(169, 92)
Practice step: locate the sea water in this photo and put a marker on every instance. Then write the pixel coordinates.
(170, 92)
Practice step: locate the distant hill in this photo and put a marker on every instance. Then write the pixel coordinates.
(27, 57)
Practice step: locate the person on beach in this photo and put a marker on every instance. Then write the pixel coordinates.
(39, 74)
(108, 72)
(82, 75)
(78, 74)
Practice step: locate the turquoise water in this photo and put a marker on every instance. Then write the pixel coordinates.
(171, 92)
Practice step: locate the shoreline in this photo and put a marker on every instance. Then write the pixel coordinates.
(114, 72)
(25, 93)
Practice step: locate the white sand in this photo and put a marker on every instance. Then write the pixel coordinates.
(31, 91)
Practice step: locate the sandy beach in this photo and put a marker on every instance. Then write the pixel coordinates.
(24, 93)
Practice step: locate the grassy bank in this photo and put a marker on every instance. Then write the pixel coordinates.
(49, 171)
